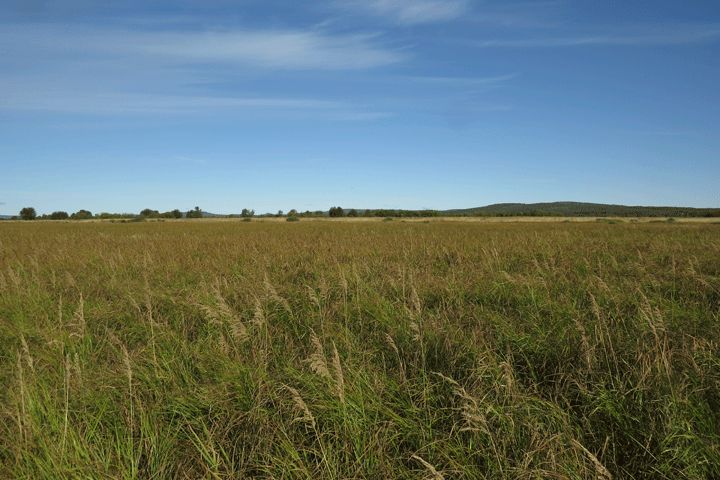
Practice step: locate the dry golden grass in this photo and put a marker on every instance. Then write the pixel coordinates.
(441, 348)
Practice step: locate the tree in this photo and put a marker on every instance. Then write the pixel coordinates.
(247, 213)
(28, 213)
(172, 214)
(336, 212)
(59, 215)
(279, 213)
(195, 213)
(352, 213)
(149, 213)
(81, 215)
(292, 216)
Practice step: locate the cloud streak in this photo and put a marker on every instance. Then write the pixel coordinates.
(464, 81)
(79, 69)
(150, 104)
(129, 103)
(409, 12)
(279, 49)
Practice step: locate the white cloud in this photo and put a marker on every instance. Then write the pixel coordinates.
(130, 103)
(282, 49)
(465, 81)
(99, 103)
(109, 71)
(410, 12)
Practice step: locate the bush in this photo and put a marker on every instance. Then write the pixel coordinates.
(292, 219)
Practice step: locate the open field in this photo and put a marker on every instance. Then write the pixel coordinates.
(447, 349)
(464, 219)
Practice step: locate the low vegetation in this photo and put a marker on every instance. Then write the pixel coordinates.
(554, 209)
(359, 350)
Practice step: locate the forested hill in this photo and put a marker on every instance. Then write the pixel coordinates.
(581, 209)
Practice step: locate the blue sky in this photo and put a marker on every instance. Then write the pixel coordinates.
(119, 106)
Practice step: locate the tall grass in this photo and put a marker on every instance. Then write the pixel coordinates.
(359, 350)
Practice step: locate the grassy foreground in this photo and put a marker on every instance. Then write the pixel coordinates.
(359, 350)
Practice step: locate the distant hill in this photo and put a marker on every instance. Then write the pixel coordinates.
(213, 215)
(581, 209)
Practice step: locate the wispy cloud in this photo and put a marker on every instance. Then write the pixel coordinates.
(409, 12)
(130, 103)
(518, 15)
(112, 71)
(283, 49)
(639, 37)
(668, 133)
(464, 81)
(149, 104)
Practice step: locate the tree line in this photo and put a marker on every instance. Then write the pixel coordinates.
(29, 213)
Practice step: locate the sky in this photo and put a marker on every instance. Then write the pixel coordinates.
(278, 104)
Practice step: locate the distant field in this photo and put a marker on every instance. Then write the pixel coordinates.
(462, 348)
(480, 219)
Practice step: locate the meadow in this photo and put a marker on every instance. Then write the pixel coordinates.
(369, 349)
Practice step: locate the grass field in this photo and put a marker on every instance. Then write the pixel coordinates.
(359, 350)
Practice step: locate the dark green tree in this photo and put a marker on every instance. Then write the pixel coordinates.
(150, 213)
(81, 215)
(28, 213)
(336, 212)
(195, 213)
(352, 213)
(60, 215)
